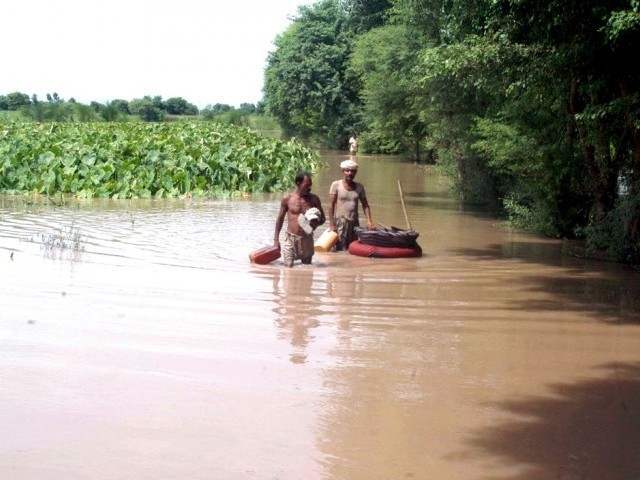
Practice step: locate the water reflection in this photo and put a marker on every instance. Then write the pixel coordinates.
(344, 290)
(298, 303)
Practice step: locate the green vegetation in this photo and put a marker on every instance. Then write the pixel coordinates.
(308, 85)
(385, 58)
(533, 103)
(149, 108)
(124, 160)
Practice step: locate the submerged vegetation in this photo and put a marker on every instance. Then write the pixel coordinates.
(67, 240)
(133, 159)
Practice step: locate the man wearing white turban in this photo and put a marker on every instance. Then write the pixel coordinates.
(343, 199)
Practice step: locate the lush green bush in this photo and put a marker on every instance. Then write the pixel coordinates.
(377, 142)
(49, 111)
(123, 160)
(530, 216)
(232, 117)
(617, 233)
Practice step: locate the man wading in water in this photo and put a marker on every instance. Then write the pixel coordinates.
(343, 212)
(304, 213)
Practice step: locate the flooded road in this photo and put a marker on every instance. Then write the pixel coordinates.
(137, 342)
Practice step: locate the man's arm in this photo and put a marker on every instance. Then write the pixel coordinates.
(333, 198)
(284, 206)
(318, 205)
(367, 209)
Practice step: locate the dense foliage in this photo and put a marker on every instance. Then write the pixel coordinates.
(19, 106)
(309, 86)
(535, 104)
(123, 160)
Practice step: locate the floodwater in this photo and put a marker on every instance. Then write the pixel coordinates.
(137, 342)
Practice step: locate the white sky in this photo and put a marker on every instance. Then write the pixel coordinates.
(205, 51)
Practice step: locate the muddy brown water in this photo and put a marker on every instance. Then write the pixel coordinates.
(137, 342)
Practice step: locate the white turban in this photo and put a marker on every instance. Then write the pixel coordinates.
(351, 164)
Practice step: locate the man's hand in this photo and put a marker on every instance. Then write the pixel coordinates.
(276, 243)
(370, 225)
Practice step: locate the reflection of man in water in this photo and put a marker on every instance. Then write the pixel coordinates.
(343, 213)
(304, 213)
(297, 309)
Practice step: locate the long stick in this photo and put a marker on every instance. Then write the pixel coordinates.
(404, 208)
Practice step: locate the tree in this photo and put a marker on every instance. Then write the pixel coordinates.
(544, 97)
(158, 103)
(385, 58)
(83, 113)
(146, 109)
(309, 87)
(109, 112)
(96, 106)
(218, 108)
(247, 108)
(365, 15)
(15, 100)
(4, 102)
(121, 105)
(179, 106)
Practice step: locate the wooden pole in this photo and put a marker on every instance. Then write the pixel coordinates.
(404, 208)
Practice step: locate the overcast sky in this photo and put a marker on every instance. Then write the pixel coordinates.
(206, 51)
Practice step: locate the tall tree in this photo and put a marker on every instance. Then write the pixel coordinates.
(365, 15)
(309, 87)
(385, 58)
(16, 100)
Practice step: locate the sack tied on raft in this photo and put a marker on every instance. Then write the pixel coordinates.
(388, 237)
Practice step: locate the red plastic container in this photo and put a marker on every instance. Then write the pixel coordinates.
(264, 255)
(363, 250)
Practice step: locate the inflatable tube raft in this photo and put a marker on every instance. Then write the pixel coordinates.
(374, 251)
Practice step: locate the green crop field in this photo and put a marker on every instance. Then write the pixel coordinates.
(125, 160)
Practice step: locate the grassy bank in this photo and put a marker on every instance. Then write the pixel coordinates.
(124, 160)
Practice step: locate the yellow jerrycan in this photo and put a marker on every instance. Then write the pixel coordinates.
(326, 241)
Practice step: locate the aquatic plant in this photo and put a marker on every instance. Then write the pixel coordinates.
(62, 243)
(125, 160)
(68, 238)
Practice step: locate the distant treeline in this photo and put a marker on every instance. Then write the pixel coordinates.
(533, 103)
(147, 108)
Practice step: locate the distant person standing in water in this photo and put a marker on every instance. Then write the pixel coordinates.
(344, 195)
(304, 213)
(353, 144)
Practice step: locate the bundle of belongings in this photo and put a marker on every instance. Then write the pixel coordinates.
(305, 219)
(388, 237)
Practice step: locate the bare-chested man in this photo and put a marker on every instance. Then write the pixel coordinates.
(298, 244)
